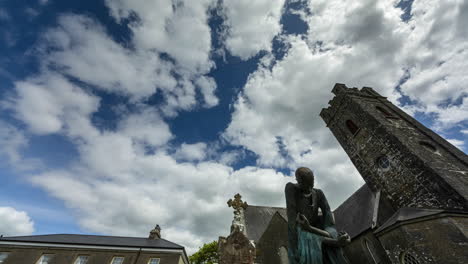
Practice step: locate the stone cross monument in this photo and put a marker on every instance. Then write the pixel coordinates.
(239, 220)
(236, 248)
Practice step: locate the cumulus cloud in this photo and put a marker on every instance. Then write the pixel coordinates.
(251, 25)
(436, 52)
(12, 142)
(178, 28)
(82, 48)
(191, 152)
(14, 222)
(44, 103)
(187, 200)
(129, 178)
(146, 126)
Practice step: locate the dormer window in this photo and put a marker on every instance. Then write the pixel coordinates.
(45, 259)
(81, 260)
(3, 256)
(352, 127)
(153, 261)
(117, 260)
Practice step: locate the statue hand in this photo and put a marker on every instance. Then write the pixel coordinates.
(343, 238)
(302, 221)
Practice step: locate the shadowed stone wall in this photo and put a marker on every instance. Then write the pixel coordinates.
(273, 239)
(441, 239)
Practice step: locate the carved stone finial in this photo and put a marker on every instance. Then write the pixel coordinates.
(237, 203)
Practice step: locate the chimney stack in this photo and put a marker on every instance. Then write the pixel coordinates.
(155, 233)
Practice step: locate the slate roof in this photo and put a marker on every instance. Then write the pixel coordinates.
(355, 214)
(257, 219)
(408, 213)
(93, 240)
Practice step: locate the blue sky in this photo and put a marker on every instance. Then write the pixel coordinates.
(117, 115)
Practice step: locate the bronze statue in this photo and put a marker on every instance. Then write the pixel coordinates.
(312, 236)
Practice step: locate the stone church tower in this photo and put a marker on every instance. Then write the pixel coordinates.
(414, 205)
(401, 160)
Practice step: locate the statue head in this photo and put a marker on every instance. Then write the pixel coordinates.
(305, 178)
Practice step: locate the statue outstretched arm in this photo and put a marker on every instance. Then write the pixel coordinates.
(304, 223)
(342, 240)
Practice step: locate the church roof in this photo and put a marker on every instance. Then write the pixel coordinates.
(408, 213)
(355, 214)
(93, 240)
(257, 219)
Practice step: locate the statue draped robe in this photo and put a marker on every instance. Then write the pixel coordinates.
(306, 247)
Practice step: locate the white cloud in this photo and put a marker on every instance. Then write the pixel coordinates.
(146, 126)
(82, 48)
(178, 28)
(448, 116)
(191, 152)
(436, 56)
(45, 103)
(251, 25)
(187, 200)
(207, 86)
(15, 223)
(12, 142)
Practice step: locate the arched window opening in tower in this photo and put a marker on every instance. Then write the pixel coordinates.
(385, 112)
(352, 127)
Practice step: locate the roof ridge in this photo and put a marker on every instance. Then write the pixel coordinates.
(276, 207)
(171, 242)
(69, 234)
(97, 240)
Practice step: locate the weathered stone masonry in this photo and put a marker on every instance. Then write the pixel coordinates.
(409, 164)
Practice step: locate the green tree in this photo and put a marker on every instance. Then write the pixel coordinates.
(208, 254)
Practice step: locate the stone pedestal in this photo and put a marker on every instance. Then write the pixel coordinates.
(236, 249)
